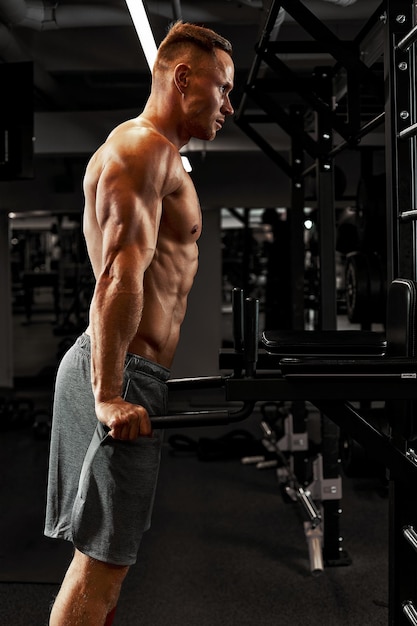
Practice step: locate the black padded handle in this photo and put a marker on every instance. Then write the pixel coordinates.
(200, 382)
(202, 418)
(251, 331)
(237, 310)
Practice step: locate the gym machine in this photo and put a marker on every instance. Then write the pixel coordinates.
(389, 377)
(335, 382)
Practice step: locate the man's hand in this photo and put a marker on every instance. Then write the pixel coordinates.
(125, 421)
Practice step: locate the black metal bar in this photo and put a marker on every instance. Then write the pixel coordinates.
(398, 77)
(237, 312)
(301, 47)
(378, 445)
(247, 250)
(263, 388)
(339, 410)
(264, 39)
(303, 88)
(325, 200)
(229, 359)
(201, 382)
(407, 133)
(309, 170)
(202, 418)
(407, 41)
(336, 48)
(374, 20)
(296, 220)
(402, 559)
(408, 216)
(282, 118)
(362, 132)
(251, 332)
(237, 215)
(266, 147)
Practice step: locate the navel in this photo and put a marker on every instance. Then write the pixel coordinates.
(194, 229)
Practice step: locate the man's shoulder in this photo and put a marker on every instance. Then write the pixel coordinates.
(139, 131)
(138, 149)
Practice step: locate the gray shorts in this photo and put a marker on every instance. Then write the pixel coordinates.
(101, 490)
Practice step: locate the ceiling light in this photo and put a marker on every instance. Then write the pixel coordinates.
(143, 29)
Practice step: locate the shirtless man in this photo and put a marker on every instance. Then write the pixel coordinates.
(142, 221)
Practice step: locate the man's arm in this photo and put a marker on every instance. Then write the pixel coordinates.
(128, 208)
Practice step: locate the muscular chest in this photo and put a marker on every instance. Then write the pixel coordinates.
(181, 214)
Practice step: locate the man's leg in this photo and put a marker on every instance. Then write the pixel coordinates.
(89, 593)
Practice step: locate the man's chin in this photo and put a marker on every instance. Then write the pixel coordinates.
(206, 136)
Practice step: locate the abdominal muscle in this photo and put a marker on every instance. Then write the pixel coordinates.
(159, 330)
(166, 288)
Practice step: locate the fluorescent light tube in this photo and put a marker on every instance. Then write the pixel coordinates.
(143, 29)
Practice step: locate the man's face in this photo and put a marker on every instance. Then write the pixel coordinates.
(207, 97)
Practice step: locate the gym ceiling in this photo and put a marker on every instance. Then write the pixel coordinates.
(89, 67)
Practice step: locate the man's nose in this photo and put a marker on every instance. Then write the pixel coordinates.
(227, 107)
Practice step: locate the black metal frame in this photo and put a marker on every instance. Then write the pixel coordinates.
(332, 394)
(399, 73)
(347, 75)
(346, 55)
(317, 92)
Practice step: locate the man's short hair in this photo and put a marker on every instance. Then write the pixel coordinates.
(182, 35)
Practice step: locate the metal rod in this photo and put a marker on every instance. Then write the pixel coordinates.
(410, 612)
(261, 45)
(362, 132)
(309, 169)
(410, 131)
(408, 216)
(314, 538)
(407, 41)
(411, 536)
(309, 506)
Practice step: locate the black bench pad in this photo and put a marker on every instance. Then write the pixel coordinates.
(324, 343)
(377, 369)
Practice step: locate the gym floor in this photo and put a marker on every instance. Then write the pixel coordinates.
(224, 547)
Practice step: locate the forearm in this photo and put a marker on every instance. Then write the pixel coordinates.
(114, 319)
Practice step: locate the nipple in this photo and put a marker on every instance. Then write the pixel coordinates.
(194, 229)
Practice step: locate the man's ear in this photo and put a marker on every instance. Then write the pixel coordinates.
(181, 74)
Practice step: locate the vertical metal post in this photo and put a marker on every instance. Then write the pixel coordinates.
(296, 217)
(6, 353)
(251, 334)
(398, 108)
(247, 251)
(237, 311)
(400, 77)
(325, 202)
